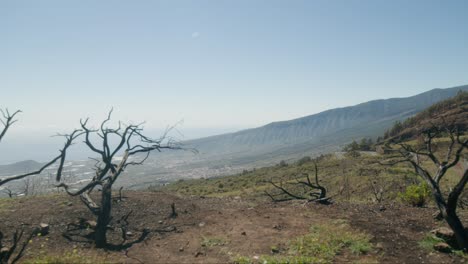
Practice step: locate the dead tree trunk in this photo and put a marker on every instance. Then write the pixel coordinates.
(104, 216)
(453, 155)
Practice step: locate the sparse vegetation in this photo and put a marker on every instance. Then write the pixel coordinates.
(452, 110)
(73, 257)
(320, 245)
(416, 195)
(429, 241)
(213, 241)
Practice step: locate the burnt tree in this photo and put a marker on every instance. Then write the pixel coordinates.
(7, 253)
(418, 156)
(8, 120)
(132, 148)
(312, 190)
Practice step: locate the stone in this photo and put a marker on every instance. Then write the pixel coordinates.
(43, 229)
(198, 253)
(444, 233)
(129, 234)
(91, 224)
(244, 233)
(443, 247)
(437, 216)
(379, 246)
(202, 224)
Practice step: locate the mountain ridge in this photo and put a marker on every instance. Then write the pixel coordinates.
(380, 112)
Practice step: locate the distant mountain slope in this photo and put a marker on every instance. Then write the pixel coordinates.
(258, 147)
(19, 167)
(330, 127)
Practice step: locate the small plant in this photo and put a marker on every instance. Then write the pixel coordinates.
(73, 257)
(321, 245)
(282, 164)
(304, 160)
(212, 242)
(416, 195)
(429, 241)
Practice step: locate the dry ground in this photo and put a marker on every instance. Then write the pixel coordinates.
(212, 230)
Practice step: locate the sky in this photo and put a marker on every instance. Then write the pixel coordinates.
(218, 66)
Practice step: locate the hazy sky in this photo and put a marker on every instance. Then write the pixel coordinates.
(220, 65)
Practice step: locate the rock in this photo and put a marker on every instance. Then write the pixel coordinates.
(4, 250)
(198, 253)
(379, 246)
(443, 247)
(160, 222)
(278, 227)
(444, 233)
(69, 203)
(42, 230)
(91, 224)
(244, 233)
(129, 234)
(437, 216)
(202, 224)
(181, 249)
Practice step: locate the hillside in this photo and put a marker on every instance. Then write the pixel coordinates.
(287, 140)
(451, 112)
(225, 230)
(325, 130)
(19, 167)
(231, 220)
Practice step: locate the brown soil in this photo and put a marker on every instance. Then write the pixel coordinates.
(234, 227)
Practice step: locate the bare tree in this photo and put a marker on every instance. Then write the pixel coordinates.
(7, 253)
(312, 190)
(9, 192)
(134, 148)
(416, 155)
(377, 184)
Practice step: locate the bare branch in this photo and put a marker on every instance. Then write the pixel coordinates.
(7, 121)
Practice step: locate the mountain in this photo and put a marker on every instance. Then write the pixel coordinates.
(19, 167)
(319, 132)
(263, 146)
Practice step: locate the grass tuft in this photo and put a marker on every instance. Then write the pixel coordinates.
(320, 245)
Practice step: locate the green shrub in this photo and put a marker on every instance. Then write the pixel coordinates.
(416, 195)
(304, 160)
